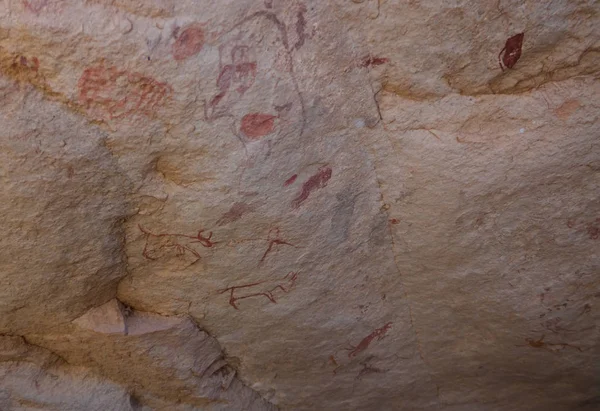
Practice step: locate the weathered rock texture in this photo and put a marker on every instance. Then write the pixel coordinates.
(302, 204)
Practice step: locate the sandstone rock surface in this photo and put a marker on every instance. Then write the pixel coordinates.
(299, 205)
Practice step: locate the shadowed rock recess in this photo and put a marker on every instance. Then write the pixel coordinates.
(300, 205)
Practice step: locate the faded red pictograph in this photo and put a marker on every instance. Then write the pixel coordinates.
(21, 63)
(551, 347)
(161, 245)
(378, 333)
(370, 61)
(593, 229)
(116, 93)
(512, 51)
(237, 76)
(188, 43)
(315, 182)
(300, 27)
(264, 288)
(236, 212)
(368, 369)
(290, 180)
(257, 125)
(35, 6)
(274, 238)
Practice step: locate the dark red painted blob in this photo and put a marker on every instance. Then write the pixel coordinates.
(257, 125)
(512, 51)
(189, 42)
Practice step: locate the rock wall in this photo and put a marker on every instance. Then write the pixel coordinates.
(299, 205)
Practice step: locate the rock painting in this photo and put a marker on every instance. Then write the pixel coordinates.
(274, 238)
(166, 244)
(353, 351)
(592, 228)
(35, 6)
(235, 78)
(188, 43)
(551, 347)
(255, 95)
(342, 216)
(315, 182)
(378, 333)
(511, 53)
(257, 125)
(109, 92)
(236, 212)
(264, 288)
(290, 180)
(370, 61)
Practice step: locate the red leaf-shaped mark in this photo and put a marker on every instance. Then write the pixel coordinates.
(290, 180)
(190, 42)
(512, 51)
(256, 125)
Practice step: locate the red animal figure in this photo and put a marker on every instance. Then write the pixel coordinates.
(512, 51)
(552, 347)
(120, 93)
(290, 180)
(240, 74)
(264, 288)
(315, 182)
(173, 242)
(274, 238)
(379, 333)
(188, 43)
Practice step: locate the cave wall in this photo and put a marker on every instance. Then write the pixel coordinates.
(299, 205)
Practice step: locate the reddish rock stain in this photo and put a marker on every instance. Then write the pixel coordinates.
(236, 212)
(256, 125)
(290, 180)
(189, 42)
(315, 182)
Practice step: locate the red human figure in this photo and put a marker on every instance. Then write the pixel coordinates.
(274, 239)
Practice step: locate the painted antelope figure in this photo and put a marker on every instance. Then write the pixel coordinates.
(157, 244)
(265, 288)
(379, 333)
